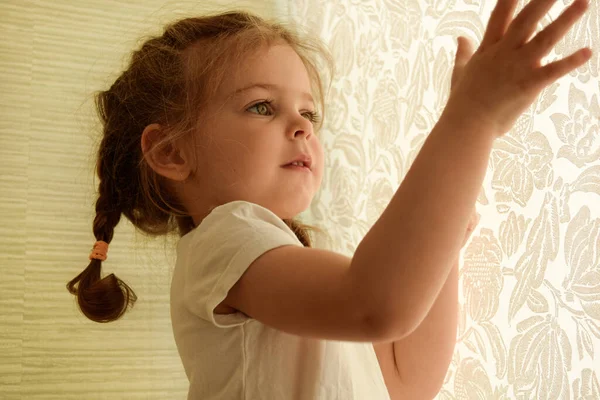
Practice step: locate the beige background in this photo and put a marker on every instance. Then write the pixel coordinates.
(53, 55)
(530, 301)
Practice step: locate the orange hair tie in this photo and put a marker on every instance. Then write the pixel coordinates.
(99, 250)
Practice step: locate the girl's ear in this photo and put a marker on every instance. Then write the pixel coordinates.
(164, 157)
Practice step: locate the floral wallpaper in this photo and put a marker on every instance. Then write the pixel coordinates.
(529, 324)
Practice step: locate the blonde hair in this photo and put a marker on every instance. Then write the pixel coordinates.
(169, 80)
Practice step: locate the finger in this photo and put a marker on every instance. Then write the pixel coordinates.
(455, 71)
(466, 50)
(544, 41)
(499, 21)
(524, 25)
(553, 71)
(458, 64)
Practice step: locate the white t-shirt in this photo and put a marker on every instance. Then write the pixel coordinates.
(233, 356)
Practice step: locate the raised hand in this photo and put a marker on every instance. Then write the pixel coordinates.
(504, 76)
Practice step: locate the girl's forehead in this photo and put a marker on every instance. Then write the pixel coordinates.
(276, 68)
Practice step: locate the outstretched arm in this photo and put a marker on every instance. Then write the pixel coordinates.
(423, 357)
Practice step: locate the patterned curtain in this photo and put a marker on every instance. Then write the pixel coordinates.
(530, 275)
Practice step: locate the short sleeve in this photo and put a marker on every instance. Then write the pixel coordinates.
(220, 250)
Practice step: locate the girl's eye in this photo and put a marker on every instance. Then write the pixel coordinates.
(312, 116)
(261, 106)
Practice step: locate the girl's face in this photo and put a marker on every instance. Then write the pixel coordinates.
(244, 142)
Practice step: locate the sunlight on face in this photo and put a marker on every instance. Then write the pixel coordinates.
(267, 121)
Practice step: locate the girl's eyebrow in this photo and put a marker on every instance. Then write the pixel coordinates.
(269, 86)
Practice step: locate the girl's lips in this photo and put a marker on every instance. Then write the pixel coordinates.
(297, 167)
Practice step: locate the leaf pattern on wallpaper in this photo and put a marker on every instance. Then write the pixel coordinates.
(584, 340)
(474, 342)
(337, 113)
(498, 347)
(588, 292)
(547, 97)
(419, 78)
(540, 358)
(578, 129)
(542, 247)
(588, 181)
(403, 20)
(582, 247)
(385, 123)
(537, 303)
(586, 387)
(482, 278)
(342, 46)
(521, 166)
(343, 180)
(472, 382)
(530, 277)
(512, 232)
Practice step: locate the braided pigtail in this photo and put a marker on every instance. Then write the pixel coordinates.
(103, 299)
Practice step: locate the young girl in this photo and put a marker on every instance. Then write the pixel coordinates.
(212, 130)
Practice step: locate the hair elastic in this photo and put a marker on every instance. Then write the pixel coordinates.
(99, 250)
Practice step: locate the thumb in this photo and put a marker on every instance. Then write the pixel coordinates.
(464, 52)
